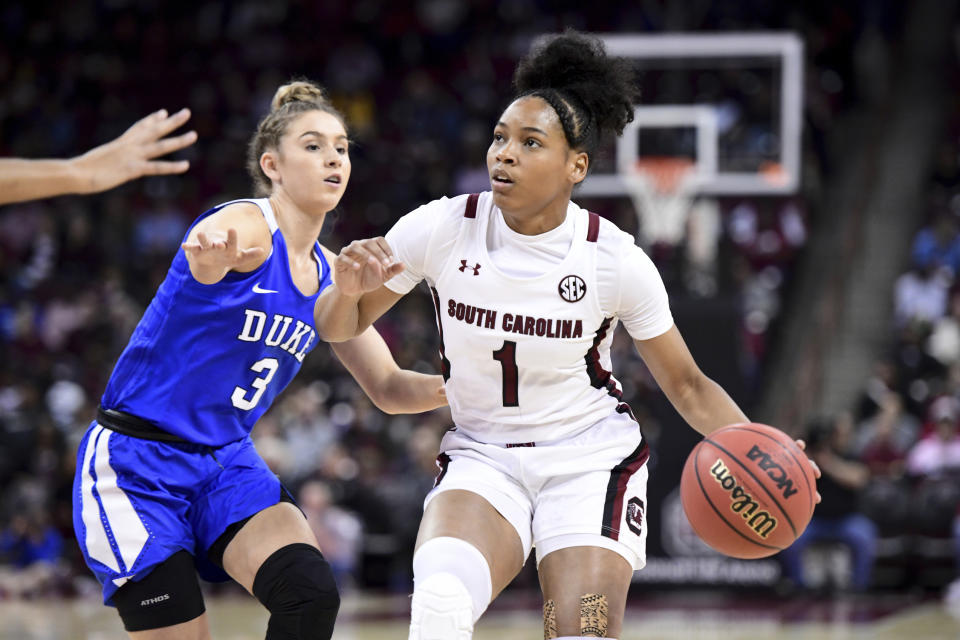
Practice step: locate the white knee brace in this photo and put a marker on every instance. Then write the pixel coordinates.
(451, 589)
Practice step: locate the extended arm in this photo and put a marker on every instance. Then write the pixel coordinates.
(702, 402)
(128, 157)
(392, 389)
(236, 238)
(357, 298)
(848, 473)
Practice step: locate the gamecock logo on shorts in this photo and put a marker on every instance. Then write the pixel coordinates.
(635, 515)
(572, 288)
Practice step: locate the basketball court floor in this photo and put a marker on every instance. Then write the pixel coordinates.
(673, 616)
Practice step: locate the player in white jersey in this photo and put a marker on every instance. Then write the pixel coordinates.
(528, 289)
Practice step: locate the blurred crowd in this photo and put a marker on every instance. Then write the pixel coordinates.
(420, 84)
(891, 464)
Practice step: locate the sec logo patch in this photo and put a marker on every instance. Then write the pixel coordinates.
(572, 288)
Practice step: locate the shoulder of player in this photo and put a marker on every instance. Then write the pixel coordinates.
(447, 208)
(246, 217)
(328, 254)
(610, 235)
(442, 217)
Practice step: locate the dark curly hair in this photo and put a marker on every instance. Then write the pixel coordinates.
(591, 92)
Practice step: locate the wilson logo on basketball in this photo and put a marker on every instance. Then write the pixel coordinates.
(776, 473)
(743, 503)
(572, 288)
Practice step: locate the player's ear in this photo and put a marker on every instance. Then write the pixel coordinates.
(268, 163)
(578, 165)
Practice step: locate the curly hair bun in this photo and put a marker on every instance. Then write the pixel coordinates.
(299, 91)
(577, 66)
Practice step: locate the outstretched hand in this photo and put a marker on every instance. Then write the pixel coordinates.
(218, 253)
(364, 265)
(132, 154)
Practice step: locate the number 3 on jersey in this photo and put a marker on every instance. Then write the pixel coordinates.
(239, 396)
(507, 356)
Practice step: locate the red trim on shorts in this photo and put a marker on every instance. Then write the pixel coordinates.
(617, 487)
(593, 230)
(471, 210)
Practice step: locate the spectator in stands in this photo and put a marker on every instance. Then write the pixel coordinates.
(920, 295)
(340, 532)
(836, 517)
(944, 341)
(883, 381)
(883, 440)
(939, 452)
(937, 245)
(31, 547)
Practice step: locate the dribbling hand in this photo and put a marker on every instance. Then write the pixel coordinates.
(364, 265)
(816, 468)
(218, 251)
(132, 154)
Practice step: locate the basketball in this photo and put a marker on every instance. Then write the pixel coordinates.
(748, 490)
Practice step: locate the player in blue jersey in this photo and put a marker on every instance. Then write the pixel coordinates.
(168, 482)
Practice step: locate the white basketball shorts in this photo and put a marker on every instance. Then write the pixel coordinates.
(586, 490)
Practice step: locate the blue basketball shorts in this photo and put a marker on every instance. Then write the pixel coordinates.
(136, 502)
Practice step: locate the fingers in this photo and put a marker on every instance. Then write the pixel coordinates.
(147, 122)
(164, 167)
(169, 145)
(816, 468)
(382, 251)
(231, 240)
(164, 125)
(394, 269)
(371, 251)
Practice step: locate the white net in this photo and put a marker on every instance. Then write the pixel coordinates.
(663, 190)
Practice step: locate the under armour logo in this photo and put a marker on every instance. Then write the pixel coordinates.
(464, 266)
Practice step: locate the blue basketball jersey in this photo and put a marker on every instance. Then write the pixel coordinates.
(206, 361)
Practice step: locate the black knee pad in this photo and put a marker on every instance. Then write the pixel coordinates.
(296, 585)
(169, 595)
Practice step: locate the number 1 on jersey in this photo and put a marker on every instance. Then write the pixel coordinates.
(507, 356)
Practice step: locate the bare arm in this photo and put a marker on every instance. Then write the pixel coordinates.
(702, 402)
(851, 474)
(357, 297)
(128, 157)
(236, 238)
(392, 389)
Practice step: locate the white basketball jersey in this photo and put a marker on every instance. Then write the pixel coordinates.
(525, 359)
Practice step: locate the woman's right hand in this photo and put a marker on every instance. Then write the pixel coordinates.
(364, 265)
(212, 256)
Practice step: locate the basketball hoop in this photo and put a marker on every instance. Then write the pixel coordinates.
(662, 189)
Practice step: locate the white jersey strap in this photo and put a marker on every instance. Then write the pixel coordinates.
(265, 208)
